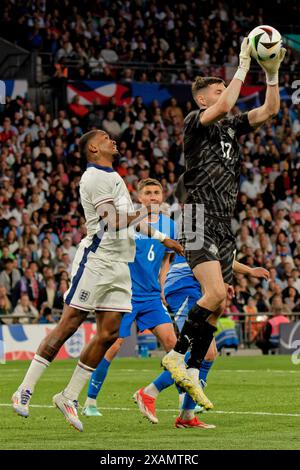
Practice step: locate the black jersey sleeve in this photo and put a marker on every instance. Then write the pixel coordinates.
(192, 122)
(241, 124)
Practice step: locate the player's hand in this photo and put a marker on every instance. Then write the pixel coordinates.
(260, 273)
(245, 60)
(245, 57)
(174, 246)
(230, 292)
(271, 67)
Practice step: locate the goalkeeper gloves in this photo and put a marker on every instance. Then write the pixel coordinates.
(245, 60)
(271, 67)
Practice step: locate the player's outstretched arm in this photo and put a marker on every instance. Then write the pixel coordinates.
(230, 95)
(271, 105)
(113, 220)
(116, 220)
(254, 272)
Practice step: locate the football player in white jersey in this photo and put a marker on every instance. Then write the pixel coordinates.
(100, 274)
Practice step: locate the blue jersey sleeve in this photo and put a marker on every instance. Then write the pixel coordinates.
(148, 259)
(171, 232)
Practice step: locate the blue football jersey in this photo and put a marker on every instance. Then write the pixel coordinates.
(180, 276)
(147, 263)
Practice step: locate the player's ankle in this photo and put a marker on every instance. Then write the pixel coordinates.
(90, 402)
(151, 390)
(187, 415)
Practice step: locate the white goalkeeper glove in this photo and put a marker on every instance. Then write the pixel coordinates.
(245, 60)
(271, 67)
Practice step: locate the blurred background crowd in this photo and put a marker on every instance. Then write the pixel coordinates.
(96, 38)
(41, 219)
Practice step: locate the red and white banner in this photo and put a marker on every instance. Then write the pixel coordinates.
(20, 342)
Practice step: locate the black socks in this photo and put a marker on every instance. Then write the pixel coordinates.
(200, 345)
(192, 328)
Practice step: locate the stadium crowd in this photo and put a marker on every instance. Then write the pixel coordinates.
(41, 219)
(90, 38)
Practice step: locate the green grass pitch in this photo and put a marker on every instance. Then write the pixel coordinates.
(257, 406)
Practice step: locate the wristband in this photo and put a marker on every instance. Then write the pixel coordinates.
(159, 236)
(272, 78)
(240, 74)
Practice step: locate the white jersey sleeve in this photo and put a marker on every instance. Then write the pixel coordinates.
(100, 185)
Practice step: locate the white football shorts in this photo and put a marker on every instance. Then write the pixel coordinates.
(98, 284)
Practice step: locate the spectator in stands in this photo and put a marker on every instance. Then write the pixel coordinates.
(47, 294)
(9, 277)
(268, 337)
(45, 316)
(25, 311)
(68, 248)
(27, 285)
(5, 305)
(111, 126)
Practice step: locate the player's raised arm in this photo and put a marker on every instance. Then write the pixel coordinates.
(271, 105)
(226, 97)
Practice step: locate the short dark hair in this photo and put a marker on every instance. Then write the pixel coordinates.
(8, 261)
(202, 82)
(148, 182)
(84, 140)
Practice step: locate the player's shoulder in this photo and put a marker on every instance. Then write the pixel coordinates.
(191, 117)
(95, 173)
(192, 122)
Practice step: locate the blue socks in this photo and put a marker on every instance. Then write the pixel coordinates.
(164, 380)
(204, 370)
(98, 378)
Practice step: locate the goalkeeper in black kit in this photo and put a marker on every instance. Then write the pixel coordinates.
(211, 182)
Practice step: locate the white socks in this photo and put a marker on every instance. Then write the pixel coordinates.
(90, 402)
(36, 369)
(151, 390)
(81, 375)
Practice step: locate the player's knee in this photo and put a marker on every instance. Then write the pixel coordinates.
(169, 342)
(211, 355)
(221, 307)
(217, 296)
(108, 337)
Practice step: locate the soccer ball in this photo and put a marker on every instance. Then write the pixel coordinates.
(265, 42)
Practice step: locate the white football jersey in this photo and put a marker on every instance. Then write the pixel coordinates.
(98, 185)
